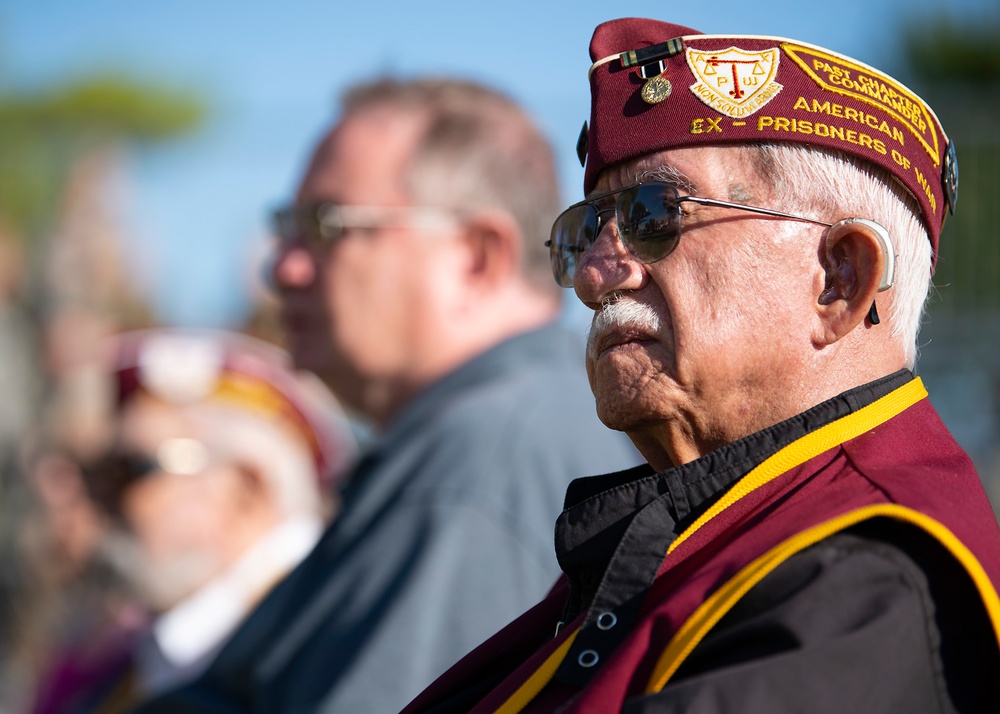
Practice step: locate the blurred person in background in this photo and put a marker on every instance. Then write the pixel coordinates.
(216, 476)
(65, 591)
(415, 282)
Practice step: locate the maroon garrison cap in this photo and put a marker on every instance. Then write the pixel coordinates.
(659, 86)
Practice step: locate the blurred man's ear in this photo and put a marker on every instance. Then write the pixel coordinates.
(495, 248)
(251, 484)
(252, 507)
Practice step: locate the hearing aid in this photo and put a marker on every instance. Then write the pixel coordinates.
(889, 270)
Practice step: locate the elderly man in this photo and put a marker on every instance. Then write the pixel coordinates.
(415, 283)
(760, 229)
(215, 471)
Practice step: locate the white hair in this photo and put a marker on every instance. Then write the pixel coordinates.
(831, 186)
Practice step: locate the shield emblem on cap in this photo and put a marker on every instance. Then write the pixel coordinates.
(734, 82)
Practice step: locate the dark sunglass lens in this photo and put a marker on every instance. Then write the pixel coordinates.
(572, 234)
(649, 221)
(109, 477)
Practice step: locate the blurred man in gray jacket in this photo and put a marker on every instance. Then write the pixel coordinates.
(414, 280)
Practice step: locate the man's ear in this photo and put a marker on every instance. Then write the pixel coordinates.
(495, 251)
(858, 263)
(250, 482)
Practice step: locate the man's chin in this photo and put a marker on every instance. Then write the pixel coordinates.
(160, 583)
(337, 377)
(622, 405)
(618, 412)
(307, 354)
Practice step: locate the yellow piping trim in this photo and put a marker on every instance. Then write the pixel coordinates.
(791, 456)
(539, 678)
(723, 599)
(812, 445)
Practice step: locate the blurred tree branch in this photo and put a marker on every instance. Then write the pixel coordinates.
(42, 135)
(939, 49)
(955, 66)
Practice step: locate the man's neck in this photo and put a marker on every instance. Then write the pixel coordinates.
(456, 342)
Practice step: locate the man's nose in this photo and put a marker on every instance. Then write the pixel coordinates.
(606, 268)
(294, 267)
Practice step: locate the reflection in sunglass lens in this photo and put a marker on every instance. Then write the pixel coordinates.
(572, 234)
(649, 221)
(649, 226)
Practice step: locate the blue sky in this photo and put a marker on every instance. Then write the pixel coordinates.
(271, 73)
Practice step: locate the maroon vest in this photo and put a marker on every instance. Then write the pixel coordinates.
(891, 459)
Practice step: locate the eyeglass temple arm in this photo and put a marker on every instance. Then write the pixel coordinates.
(886, 284)
(752, 209)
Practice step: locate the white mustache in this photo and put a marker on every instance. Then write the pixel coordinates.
(621, 312)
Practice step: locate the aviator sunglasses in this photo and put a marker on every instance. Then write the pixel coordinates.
(648, 216)
(108, 477)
